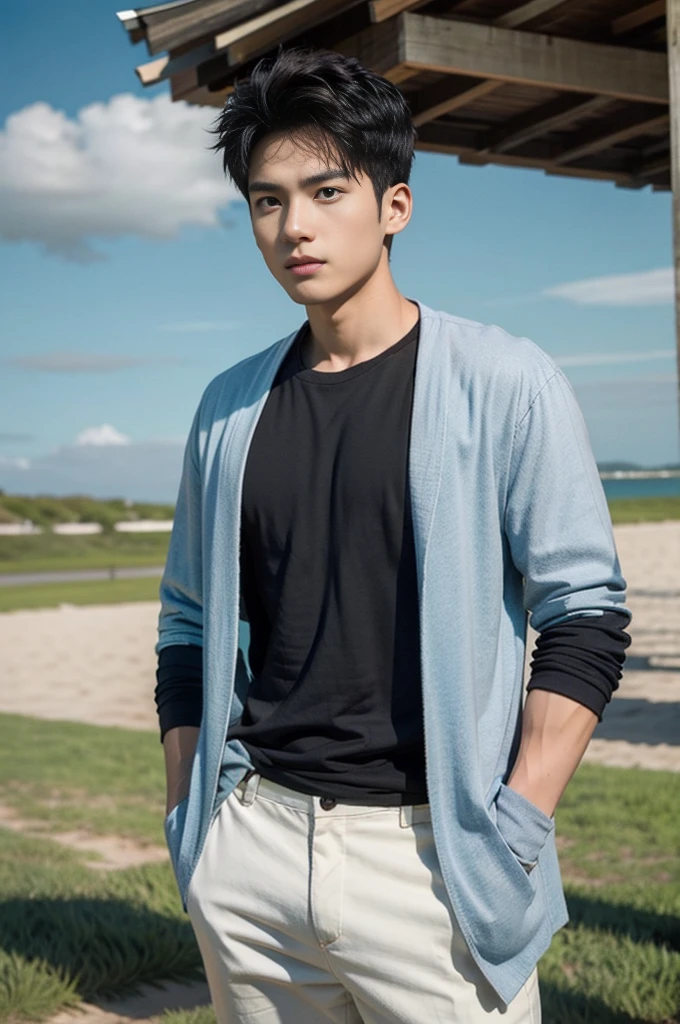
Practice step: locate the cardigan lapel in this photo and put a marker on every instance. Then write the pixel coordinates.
(428, 432)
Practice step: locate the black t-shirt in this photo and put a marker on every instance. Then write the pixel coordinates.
(329, 583)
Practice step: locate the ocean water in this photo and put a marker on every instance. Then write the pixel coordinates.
(660, 488)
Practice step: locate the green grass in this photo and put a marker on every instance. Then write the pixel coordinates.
(50, 595)
(644, 510)
(52, 552)
(68, 932)
(69, 775)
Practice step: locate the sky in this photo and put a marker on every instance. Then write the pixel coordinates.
(130, 277)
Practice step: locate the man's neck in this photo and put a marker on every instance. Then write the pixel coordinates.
(358, 328)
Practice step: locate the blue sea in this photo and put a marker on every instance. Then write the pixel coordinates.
(659, 488)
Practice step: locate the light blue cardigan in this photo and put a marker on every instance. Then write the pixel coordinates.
(509, 516)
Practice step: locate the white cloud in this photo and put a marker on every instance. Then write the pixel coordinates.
(614, 358)
(646, 288)
(145, 471)
(84, 362)
(104, 435)
(16, 463)
(130, 166)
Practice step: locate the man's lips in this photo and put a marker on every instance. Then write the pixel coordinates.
(309, 267)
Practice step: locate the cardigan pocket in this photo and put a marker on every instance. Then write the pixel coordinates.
(174, 827)
(523, 826)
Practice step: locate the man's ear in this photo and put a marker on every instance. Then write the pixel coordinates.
(398, 207)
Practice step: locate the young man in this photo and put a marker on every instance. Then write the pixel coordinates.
(361, 818)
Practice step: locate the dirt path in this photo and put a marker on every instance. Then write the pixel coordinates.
(150, 1003)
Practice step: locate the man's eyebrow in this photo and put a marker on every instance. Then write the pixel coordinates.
(313, 179)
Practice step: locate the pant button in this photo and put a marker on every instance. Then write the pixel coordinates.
(327, 802)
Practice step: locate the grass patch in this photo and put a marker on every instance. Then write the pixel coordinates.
(199, 1015)
(644, 510)
(52, 552)
(67, 932)
(68, 775)
(51, 595)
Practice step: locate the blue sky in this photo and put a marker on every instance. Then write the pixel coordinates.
(130, 277)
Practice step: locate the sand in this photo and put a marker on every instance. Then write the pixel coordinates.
(97, 663)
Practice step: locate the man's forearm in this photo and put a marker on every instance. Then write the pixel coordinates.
(179, 745)
(555, 733)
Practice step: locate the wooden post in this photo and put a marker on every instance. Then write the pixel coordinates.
(673, 29)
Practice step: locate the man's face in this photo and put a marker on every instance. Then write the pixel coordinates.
(302, 207)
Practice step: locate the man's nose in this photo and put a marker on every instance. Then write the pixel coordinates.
(296, 223)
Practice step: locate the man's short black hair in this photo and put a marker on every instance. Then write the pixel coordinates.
(346, 112)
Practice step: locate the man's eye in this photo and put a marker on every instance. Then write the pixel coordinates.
(329, 188)
(264, 199)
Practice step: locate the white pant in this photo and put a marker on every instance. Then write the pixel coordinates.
(305, 914)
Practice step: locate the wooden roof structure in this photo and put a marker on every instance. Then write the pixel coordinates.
(572, 87)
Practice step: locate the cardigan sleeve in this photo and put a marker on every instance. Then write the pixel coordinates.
(582, 659)
(181, 589)
(557, 521)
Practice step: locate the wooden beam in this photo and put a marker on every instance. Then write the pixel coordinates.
(171, 28)
(482, 51)
(443, 97)
(650, 168)
(527, 12)
(539, 120)
(439, 138)
(637, 18)
(628, 125)
(152, 72)
(377, 47)
(381, 10)
(259, 35)
(673, 16)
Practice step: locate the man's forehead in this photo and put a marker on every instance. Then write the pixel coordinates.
(302, 155)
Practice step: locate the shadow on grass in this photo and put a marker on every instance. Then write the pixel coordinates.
(111, 947)
(108, 947)
(637, 720)
(560, 1007)
(623, 919)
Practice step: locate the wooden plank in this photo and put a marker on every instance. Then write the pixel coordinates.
(377, 47)
(483, 51)
(639, 17)
(152, 72)
(258, 35)
(381, 10)
(200, 18)
(673, 17)
(649, 168)
(438, 138)
(544, 118)
(525, 13)
(236, 45)
(628, 125)
(431, 105)
(203, 97)
(443, 97)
